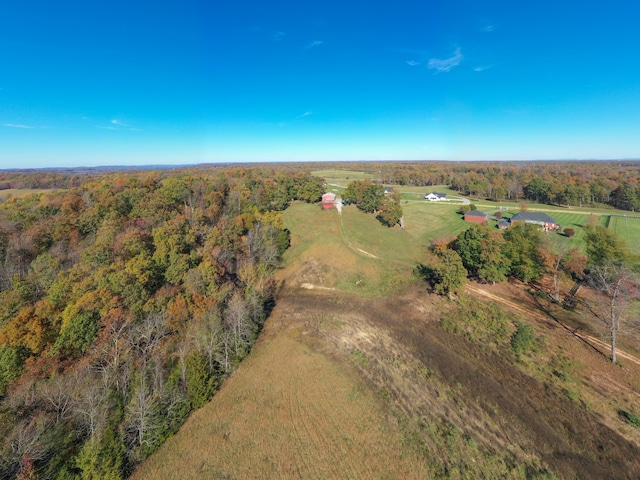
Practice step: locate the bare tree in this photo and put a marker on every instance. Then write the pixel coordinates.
(147, 334)
(561, 259)
(619, 287)
(88, 402)
(209, 337)
(27, 439)
(58, 391)
(142, 414)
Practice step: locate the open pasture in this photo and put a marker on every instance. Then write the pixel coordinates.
(342, 177)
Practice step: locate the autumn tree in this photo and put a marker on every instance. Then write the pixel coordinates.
(610, 273)
(483, 253)
(444, 270)
(390, 213)
(522, 242)
(561, 259)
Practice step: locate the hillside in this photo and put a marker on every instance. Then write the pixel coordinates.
(357, 375)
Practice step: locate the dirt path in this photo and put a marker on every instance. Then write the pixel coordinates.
(348, 243)
(592, 341)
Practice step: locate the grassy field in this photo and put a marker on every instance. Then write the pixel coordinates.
(313, 419)
(356, 253)
(342, 177)
(628, 229)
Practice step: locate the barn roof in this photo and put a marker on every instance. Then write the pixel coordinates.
(476, 213)
(538, 217)
(328, 197)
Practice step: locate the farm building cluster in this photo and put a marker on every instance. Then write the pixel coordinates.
(547, 222)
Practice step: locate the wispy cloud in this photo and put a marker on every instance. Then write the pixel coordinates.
(488, 28)
(412, 63)
(16, 125)
(314, 44)
(279, 36)
(482, 68)
(446, 64)
(305, 114)
(116, 124)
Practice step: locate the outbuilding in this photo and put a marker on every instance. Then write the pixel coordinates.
(328, 200)
(476, 216)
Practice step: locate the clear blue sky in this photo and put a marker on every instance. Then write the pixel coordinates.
(108, 82)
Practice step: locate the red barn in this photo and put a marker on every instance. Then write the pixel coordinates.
(476, 216)
(328, 200)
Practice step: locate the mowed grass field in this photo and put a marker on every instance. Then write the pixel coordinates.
(353, 253)
(311, 419)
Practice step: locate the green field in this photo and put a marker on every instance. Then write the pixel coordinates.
(628, 229)
(342, 177)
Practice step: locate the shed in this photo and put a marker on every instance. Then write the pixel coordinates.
(476, 216)
(328, 200)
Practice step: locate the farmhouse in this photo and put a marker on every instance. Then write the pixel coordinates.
(537, 218)
(435, 197)
(328, 200)
(476, 216)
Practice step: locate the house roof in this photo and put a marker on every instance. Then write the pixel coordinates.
(441, 195)
(537, 217)
(476, 213)
(329, 197)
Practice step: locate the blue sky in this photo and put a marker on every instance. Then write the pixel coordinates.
(132, 83)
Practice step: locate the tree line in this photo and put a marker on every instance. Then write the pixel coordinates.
(124, 302)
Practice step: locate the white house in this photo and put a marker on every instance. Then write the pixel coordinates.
(435, 197)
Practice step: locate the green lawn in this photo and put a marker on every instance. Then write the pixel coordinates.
(628, 229)
(427, 221)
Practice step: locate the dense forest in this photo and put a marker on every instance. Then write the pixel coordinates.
(125, 299)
